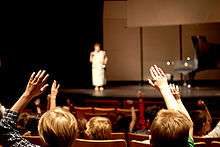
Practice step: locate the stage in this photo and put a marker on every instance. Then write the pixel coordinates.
(130, 92)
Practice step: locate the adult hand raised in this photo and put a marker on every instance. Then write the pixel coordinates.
(36, 84)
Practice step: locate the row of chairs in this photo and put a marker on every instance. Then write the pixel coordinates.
(129, 136)
(116, 139)
(101, 143)
(88, 112)
(207, 142)
(109, 143)
(130, 139)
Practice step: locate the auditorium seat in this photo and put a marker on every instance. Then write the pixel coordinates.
(81, 112)
(99, 109)
(200, 144)
(135, 143)
(215, 144)
(199, 141)
(105, 112)
(125, 111)
(138, 137)
(100, 143)
(118, 135)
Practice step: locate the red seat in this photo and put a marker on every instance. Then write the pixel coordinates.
(138, 137)
(100, 143)
(215, 144)
(118, 135)
(135, 143)
(199, 141)
(81, 112)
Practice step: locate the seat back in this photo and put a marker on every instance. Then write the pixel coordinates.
(207, 141)
(100, 143)
(105, 112)
(200, 144)
(125, 111)
(81, 112)
(99, 109)
(118, 135)
(215, 144)
(138, 137)
(135, 143)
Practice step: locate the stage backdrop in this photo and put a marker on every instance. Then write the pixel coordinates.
(160, 43)
(172, 12)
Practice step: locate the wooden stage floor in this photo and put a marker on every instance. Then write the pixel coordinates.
(130, 92)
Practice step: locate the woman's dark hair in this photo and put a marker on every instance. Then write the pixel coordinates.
(122, 123)
(199, 117)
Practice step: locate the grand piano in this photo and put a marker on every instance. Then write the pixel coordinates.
(207, 54)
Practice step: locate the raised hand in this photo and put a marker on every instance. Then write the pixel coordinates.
(54, 89)
(170, 94)
(51, 98)
(37, 83)
(175, 91)
(37, 102)
(159, 77)
(160, 82)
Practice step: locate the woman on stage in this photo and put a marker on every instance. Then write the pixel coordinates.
(98, 59)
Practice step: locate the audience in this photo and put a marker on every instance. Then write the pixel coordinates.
(99, 128)
(56, 127)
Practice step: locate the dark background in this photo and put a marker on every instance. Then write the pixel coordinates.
(54, 36)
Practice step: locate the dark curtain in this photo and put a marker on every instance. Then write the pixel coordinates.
(56, 36)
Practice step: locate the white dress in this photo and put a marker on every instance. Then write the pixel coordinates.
(98, 69)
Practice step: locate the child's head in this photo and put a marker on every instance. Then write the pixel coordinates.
(58, 127)
(170, 128)
(99, 128)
